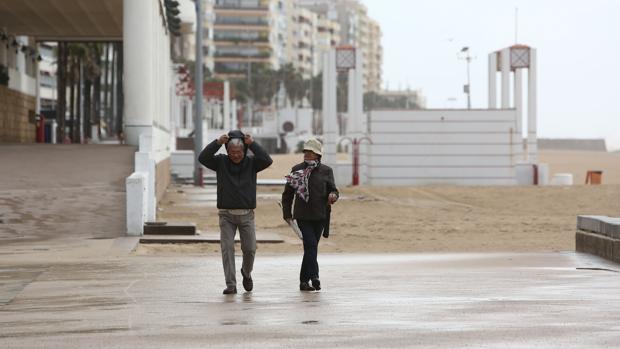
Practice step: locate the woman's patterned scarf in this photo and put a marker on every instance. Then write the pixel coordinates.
(299, 180)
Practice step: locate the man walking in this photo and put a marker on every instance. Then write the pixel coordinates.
(236, 199)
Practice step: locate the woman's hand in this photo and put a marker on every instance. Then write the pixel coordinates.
(332, 198)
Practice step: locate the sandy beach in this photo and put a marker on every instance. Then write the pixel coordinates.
(431, 218)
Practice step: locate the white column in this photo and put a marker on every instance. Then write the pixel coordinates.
(351, 127)
(227, 123)
(518, 98)
(493, 80)
(532, 147)
(505, 64)
(235, 122)
(518, 132)
(359, 93)
(360, 117)
(138, 64)
(330, 125)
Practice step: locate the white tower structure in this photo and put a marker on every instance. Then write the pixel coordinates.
(330, 114)
(514, 60)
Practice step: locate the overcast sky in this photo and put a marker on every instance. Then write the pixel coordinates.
(578, 46)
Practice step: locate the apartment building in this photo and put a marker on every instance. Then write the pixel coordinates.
(328, 35)
(246, 33)
(242, 33)
(305, 38)
(356, 28)
(374, 57)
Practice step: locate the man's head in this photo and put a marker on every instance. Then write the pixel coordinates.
(236, 150)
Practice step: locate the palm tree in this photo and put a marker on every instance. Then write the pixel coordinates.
(293, 84)
(92, 72)
(106, 84)
(61, 77)
(119, 89)
(97, 89)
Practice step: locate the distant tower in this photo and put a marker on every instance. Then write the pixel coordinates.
(515, 59)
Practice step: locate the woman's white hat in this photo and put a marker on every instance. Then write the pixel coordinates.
(314, 146)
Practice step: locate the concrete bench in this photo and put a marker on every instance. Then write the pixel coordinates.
(599, 235)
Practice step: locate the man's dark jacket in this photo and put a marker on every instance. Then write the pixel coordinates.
(320, 184)
(236, 183)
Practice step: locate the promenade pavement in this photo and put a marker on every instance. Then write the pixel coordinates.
(68, 279)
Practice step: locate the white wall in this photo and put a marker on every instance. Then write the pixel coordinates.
(148, 88)
(461, 147)
(148, 81)
(301, 119)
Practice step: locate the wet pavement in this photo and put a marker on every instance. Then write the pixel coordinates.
(526, 300)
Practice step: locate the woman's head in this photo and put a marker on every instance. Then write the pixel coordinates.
(311, 156)
(313, 150)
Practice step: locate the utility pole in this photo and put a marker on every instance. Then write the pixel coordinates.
(516, 25)
(198, 96)
(250, 101)
(467, 88)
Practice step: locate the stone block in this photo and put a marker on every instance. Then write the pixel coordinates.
(607, 226)
(136, 203)
(595, 244)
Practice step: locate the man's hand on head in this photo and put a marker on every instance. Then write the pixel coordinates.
(248, 139)
(223, 139)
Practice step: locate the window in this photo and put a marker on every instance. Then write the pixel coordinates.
(241, 3)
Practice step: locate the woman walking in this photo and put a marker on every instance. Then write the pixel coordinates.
(309, 192)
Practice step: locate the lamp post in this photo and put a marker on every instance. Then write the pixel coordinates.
(198, 96)
(467, 88)
(356, 142)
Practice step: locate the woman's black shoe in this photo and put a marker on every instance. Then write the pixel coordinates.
(316, 283)
(304, 286)
(230, 290)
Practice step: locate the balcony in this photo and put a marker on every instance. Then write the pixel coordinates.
(242, 59)
(237, 39)
(235, 10)
(262, 28)
(258, 55)
(241, 21)
(260, 5)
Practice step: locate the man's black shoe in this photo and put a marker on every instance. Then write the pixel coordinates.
(305, 287)
(230, 290)
(248, 284)
(316, 283)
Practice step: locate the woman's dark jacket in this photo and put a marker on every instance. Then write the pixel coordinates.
(320, 185)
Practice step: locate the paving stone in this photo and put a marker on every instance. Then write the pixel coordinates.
(261, 237)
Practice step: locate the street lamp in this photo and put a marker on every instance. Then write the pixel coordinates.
(198, 96)
(464, 54)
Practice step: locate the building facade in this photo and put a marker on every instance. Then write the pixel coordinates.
(246, 33)
(271, 33)
(357, 29)
(18, 90)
